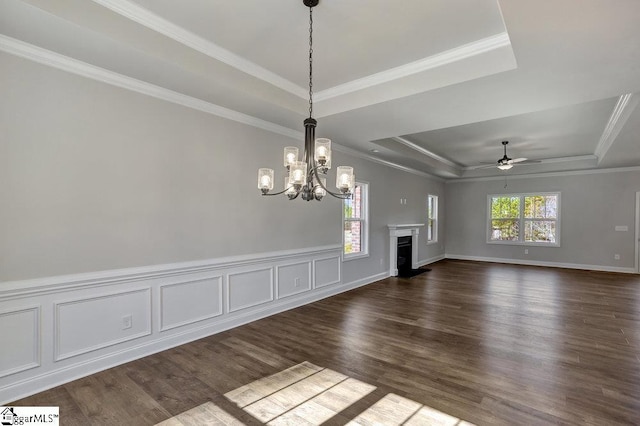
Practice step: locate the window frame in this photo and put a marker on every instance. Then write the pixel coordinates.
(522, 220)
(434, 228)
(364, 224)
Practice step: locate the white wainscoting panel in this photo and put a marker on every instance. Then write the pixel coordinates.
(293, 279)
(250, 288)
(88, 324)
(327, 271)
(20, 340)
(187, 302)
(66, 327)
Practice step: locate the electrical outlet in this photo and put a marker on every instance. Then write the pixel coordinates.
(381, 262)
(526, 251)
(127, 321)
(616, 257)
(296, 282)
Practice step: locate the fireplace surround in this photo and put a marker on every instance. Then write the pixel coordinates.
(403, 230)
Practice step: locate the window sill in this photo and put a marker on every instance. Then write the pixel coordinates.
(524, 243)
(348, 257)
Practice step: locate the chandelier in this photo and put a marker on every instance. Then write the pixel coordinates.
(307, 178)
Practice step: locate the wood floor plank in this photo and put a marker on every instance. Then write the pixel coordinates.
(474, 342)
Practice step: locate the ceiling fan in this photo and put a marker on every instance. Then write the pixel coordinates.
(505, 163)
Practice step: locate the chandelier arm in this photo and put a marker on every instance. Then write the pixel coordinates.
(339, 196)
(295, 196)
(281, 192)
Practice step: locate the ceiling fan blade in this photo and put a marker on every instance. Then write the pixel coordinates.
(525, 161)
(483, 166)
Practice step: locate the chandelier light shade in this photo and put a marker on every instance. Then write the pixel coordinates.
(345, 179)
(265, 179)
(289, 189)
(323, 152)
(306, 177)
(290, 155)
(298, 173)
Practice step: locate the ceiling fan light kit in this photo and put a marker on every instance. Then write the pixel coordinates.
(505, 163)
(306, 178)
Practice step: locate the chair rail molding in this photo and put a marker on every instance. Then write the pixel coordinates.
(73, 327)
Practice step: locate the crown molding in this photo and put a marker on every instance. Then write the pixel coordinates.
(565, 159)
(440, 59)
(156, 23)
(426, 152)
(621, 112)
(55, 60)
(548, 174)
(355, 153)
(83, 69)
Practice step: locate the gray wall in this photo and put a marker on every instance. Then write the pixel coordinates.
(94, 177)
(386, 187)
(592, 205)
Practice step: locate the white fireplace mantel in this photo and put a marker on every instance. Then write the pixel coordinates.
(402, 230)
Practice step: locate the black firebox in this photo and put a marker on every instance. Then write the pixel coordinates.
(404, 255)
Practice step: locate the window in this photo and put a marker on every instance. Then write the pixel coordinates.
(432, 218)
(530, 219)
(355, 223)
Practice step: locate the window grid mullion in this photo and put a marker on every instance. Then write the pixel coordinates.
(521, 230)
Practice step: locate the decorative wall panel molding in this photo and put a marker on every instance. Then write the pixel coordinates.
(249, 288)
(203, 296)
(293, 279)
(89, 324)
(80, 324)
(21, 340)
(327, 271)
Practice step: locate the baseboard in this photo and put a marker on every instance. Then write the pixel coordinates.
(48, 375)
(601, 268)
(430, 260)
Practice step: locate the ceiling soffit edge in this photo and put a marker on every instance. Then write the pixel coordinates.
(356, 153)
(546, 174)
(621, 112)
(541, 161)
(434, 61)
(426, 152)
(156, 23)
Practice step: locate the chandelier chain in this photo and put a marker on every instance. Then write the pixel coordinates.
(310, 62)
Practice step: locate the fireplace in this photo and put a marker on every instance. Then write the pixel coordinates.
(404, 257)
(403, 247)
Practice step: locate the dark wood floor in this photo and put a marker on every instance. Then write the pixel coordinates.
(486, 343)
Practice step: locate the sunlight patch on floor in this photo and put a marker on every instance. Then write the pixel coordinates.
(397, 410)
(306, 394)
(204, 414)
